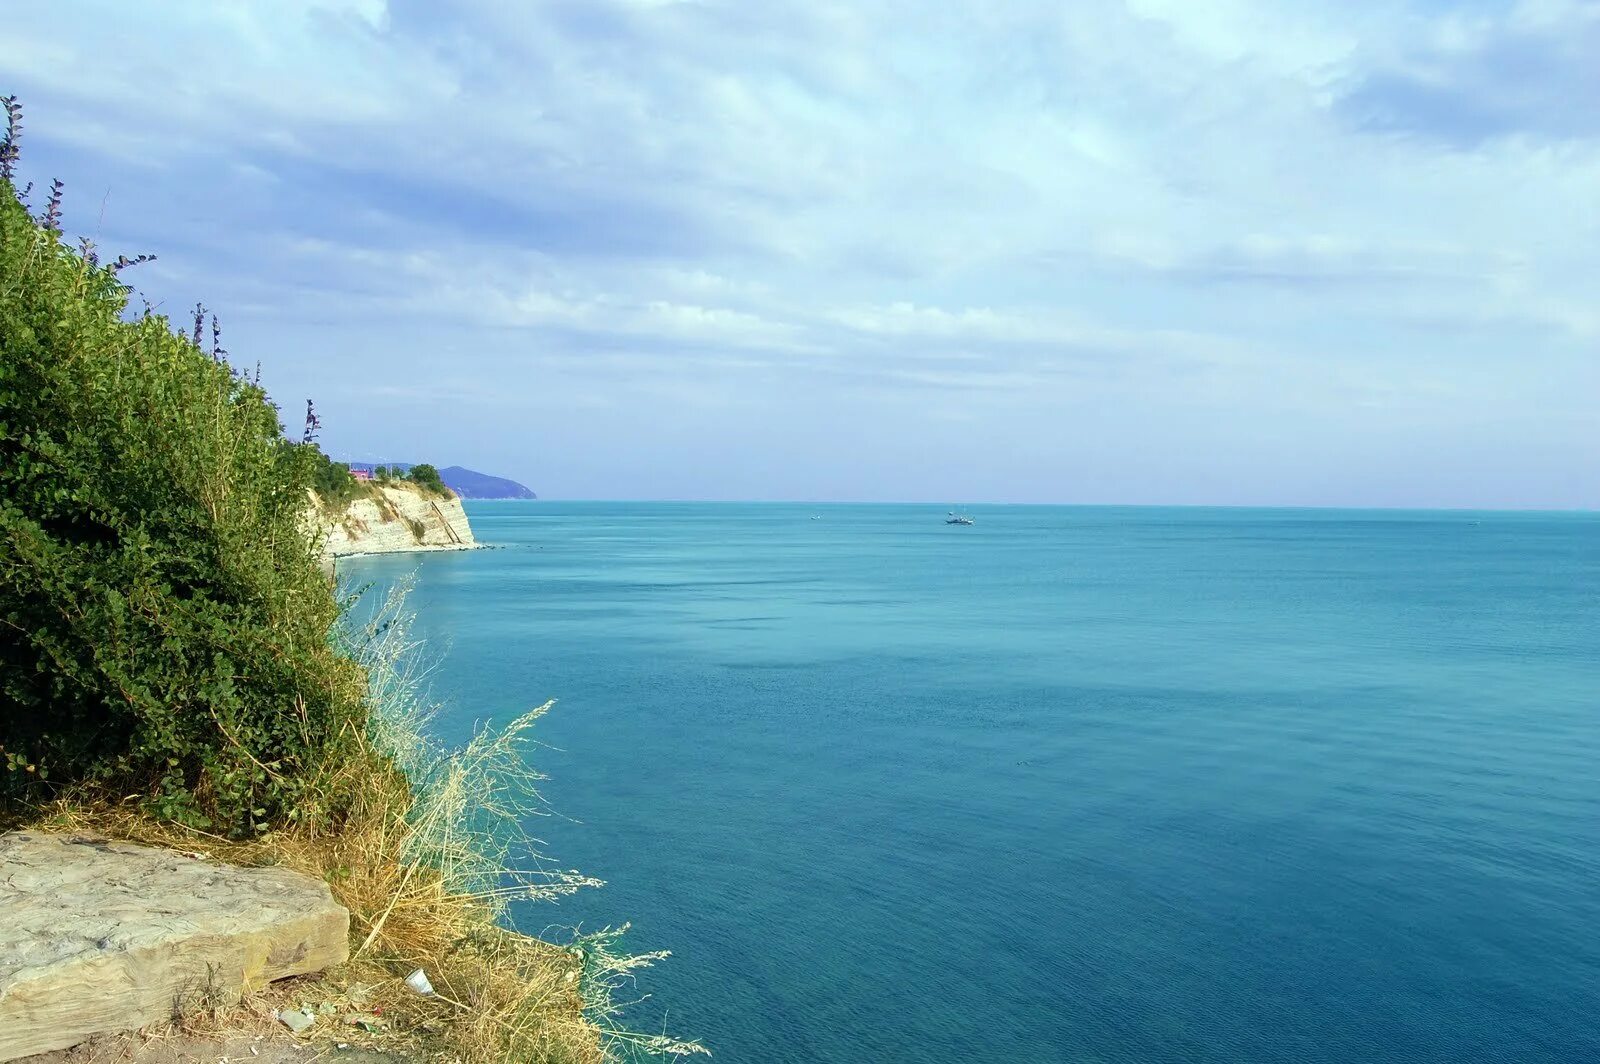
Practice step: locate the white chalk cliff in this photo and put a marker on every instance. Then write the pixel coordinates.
(396, 517)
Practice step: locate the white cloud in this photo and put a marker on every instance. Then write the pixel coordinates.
(1024, 197)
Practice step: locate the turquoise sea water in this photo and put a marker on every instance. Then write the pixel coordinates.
(1072, 784)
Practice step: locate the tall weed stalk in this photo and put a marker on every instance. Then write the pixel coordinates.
(463, 845)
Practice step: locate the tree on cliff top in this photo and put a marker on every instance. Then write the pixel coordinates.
(427, 477)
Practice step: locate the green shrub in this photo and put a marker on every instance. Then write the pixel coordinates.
(426, 477)
(332, 481)
(166, 623)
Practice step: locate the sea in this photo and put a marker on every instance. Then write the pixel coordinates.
(1068, 784)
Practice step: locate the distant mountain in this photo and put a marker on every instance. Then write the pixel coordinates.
(473, 485)
(467, 483)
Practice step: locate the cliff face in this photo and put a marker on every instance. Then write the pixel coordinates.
(396, 517)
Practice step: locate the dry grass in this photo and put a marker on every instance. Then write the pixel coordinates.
(426, 860)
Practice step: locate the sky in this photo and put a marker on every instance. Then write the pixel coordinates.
(1143, 251)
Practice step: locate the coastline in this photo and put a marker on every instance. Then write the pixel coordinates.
(421, 548)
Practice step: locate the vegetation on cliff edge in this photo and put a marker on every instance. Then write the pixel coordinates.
(168, 623)
(175, 668)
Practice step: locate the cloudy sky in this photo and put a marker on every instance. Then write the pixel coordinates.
(1145, 251)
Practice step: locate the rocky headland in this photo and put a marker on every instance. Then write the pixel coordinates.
(391, 518)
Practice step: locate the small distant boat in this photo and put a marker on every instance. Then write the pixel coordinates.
(954, 518)
(816, 517)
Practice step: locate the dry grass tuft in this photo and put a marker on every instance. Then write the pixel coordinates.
(424, 861)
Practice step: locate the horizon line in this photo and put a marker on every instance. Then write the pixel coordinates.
(1079, 505)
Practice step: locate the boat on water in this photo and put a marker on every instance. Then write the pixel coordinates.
(954, 518)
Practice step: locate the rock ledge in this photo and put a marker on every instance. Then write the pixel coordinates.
(98, 937)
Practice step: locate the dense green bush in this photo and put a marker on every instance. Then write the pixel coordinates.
(165, 623)
(332, 481)
(426, 477)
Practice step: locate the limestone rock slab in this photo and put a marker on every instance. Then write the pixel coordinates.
(98, 937)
